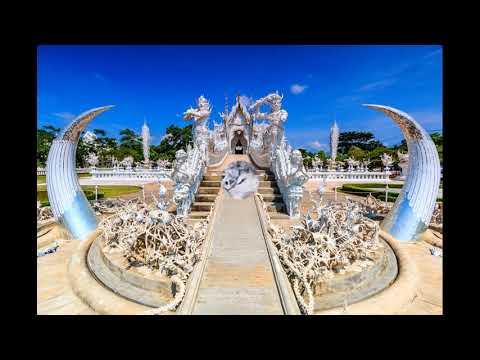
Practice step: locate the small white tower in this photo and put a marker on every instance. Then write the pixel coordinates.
(145, 141)
(334, 133)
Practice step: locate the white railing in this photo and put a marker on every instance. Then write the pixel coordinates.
(187, 176)
(133, 174)
(43, 171)
(355, 176)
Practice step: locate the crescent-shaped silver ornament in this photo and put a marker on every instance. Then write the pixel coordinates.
(69, 205)
(413, 209)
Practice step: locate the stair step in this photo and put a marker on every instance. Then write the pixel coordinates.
(198, 214)
(275, 215)
(268, 190)
(272, 197)
(208, 190)
(267, 183)
(205, 197)
(267, 177)
(264, 172)
(202, 206)
(275, 206)
(192, 221)
(212, 178)
(207, 183)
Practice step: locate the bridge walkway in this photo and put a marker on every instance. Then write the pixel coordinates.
(238, 277)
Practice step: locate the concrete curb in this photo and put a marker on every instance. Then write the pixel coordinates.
(392, 299)
(285, 291)
(193, 285)
(90, 291)
(52, 231)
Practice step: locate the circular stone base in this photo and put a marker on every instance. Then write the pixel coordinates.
(353, 287)
(135, 284)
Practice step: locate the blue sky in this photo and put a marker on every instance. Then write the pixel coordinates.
(319, 83)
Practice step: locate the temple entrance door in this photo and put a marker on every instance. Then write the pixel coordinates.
(239, 143)
(238, 147)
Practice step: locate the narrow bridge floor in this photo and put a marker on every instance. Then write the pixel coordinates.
(238, 277)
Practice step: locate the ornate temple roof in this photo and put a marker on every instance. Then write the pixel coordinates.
(239, 107)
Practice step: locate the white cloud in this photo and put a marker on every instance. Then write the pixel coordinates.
(297, 88)
(377, 85)
(317, 145)
(65, 115)
(433, 53)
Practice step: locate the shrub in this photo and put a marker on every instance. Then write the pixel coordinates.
(43, 197)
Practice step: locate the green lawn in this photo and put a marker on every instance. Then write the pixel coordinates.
(89, 190)
(375, 189)
(42, 178)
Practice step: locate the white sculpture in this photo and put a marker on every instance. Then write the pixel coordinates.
(92, 159)
(317, 163)
(89, 138)
(403, 163)
(240, 180)
(291, 176)
(321, 246)
(187, 175)
(163, 163)
(276, 116)
(127, 162)
(152, 238)
(386, 161)
(200, 117)
(219, 137)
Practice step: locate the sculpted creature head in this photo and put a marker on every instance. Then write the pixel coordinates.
(180, 156)
(240, 180)
(296, 158)
(203, 103)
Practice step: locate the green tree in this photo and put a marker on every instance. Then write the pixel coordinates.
(130, 145)
(357, 153)
(307, 157)
(105, 147)
(45, 137)
(437, 139)
(175, 138)
(321, 155)
(361, 139)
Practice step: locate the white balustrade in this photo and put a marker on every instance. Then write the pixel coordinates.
(131, 174)
(356, 176)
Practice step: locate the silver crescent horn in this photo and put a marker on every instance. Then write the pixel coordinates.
(67, 200)
(413, 209)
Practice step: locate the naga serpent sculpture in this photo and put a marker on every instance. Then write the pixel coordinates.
(413, 209)
(67, 200)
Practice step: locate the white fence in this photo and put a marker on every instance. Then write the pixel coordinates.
(137, 174)
(43, 171)
(349, 176)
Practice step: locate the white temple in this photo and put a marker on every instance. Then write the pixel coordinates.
(238, 132)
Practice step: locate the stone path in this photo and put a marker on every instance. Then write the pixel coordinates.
(238, 277)
(429, 300)
(54, 294)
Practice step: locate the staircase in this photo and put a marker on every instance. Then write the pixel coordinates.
(268, 188)
(205, 196)
(211, 183)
